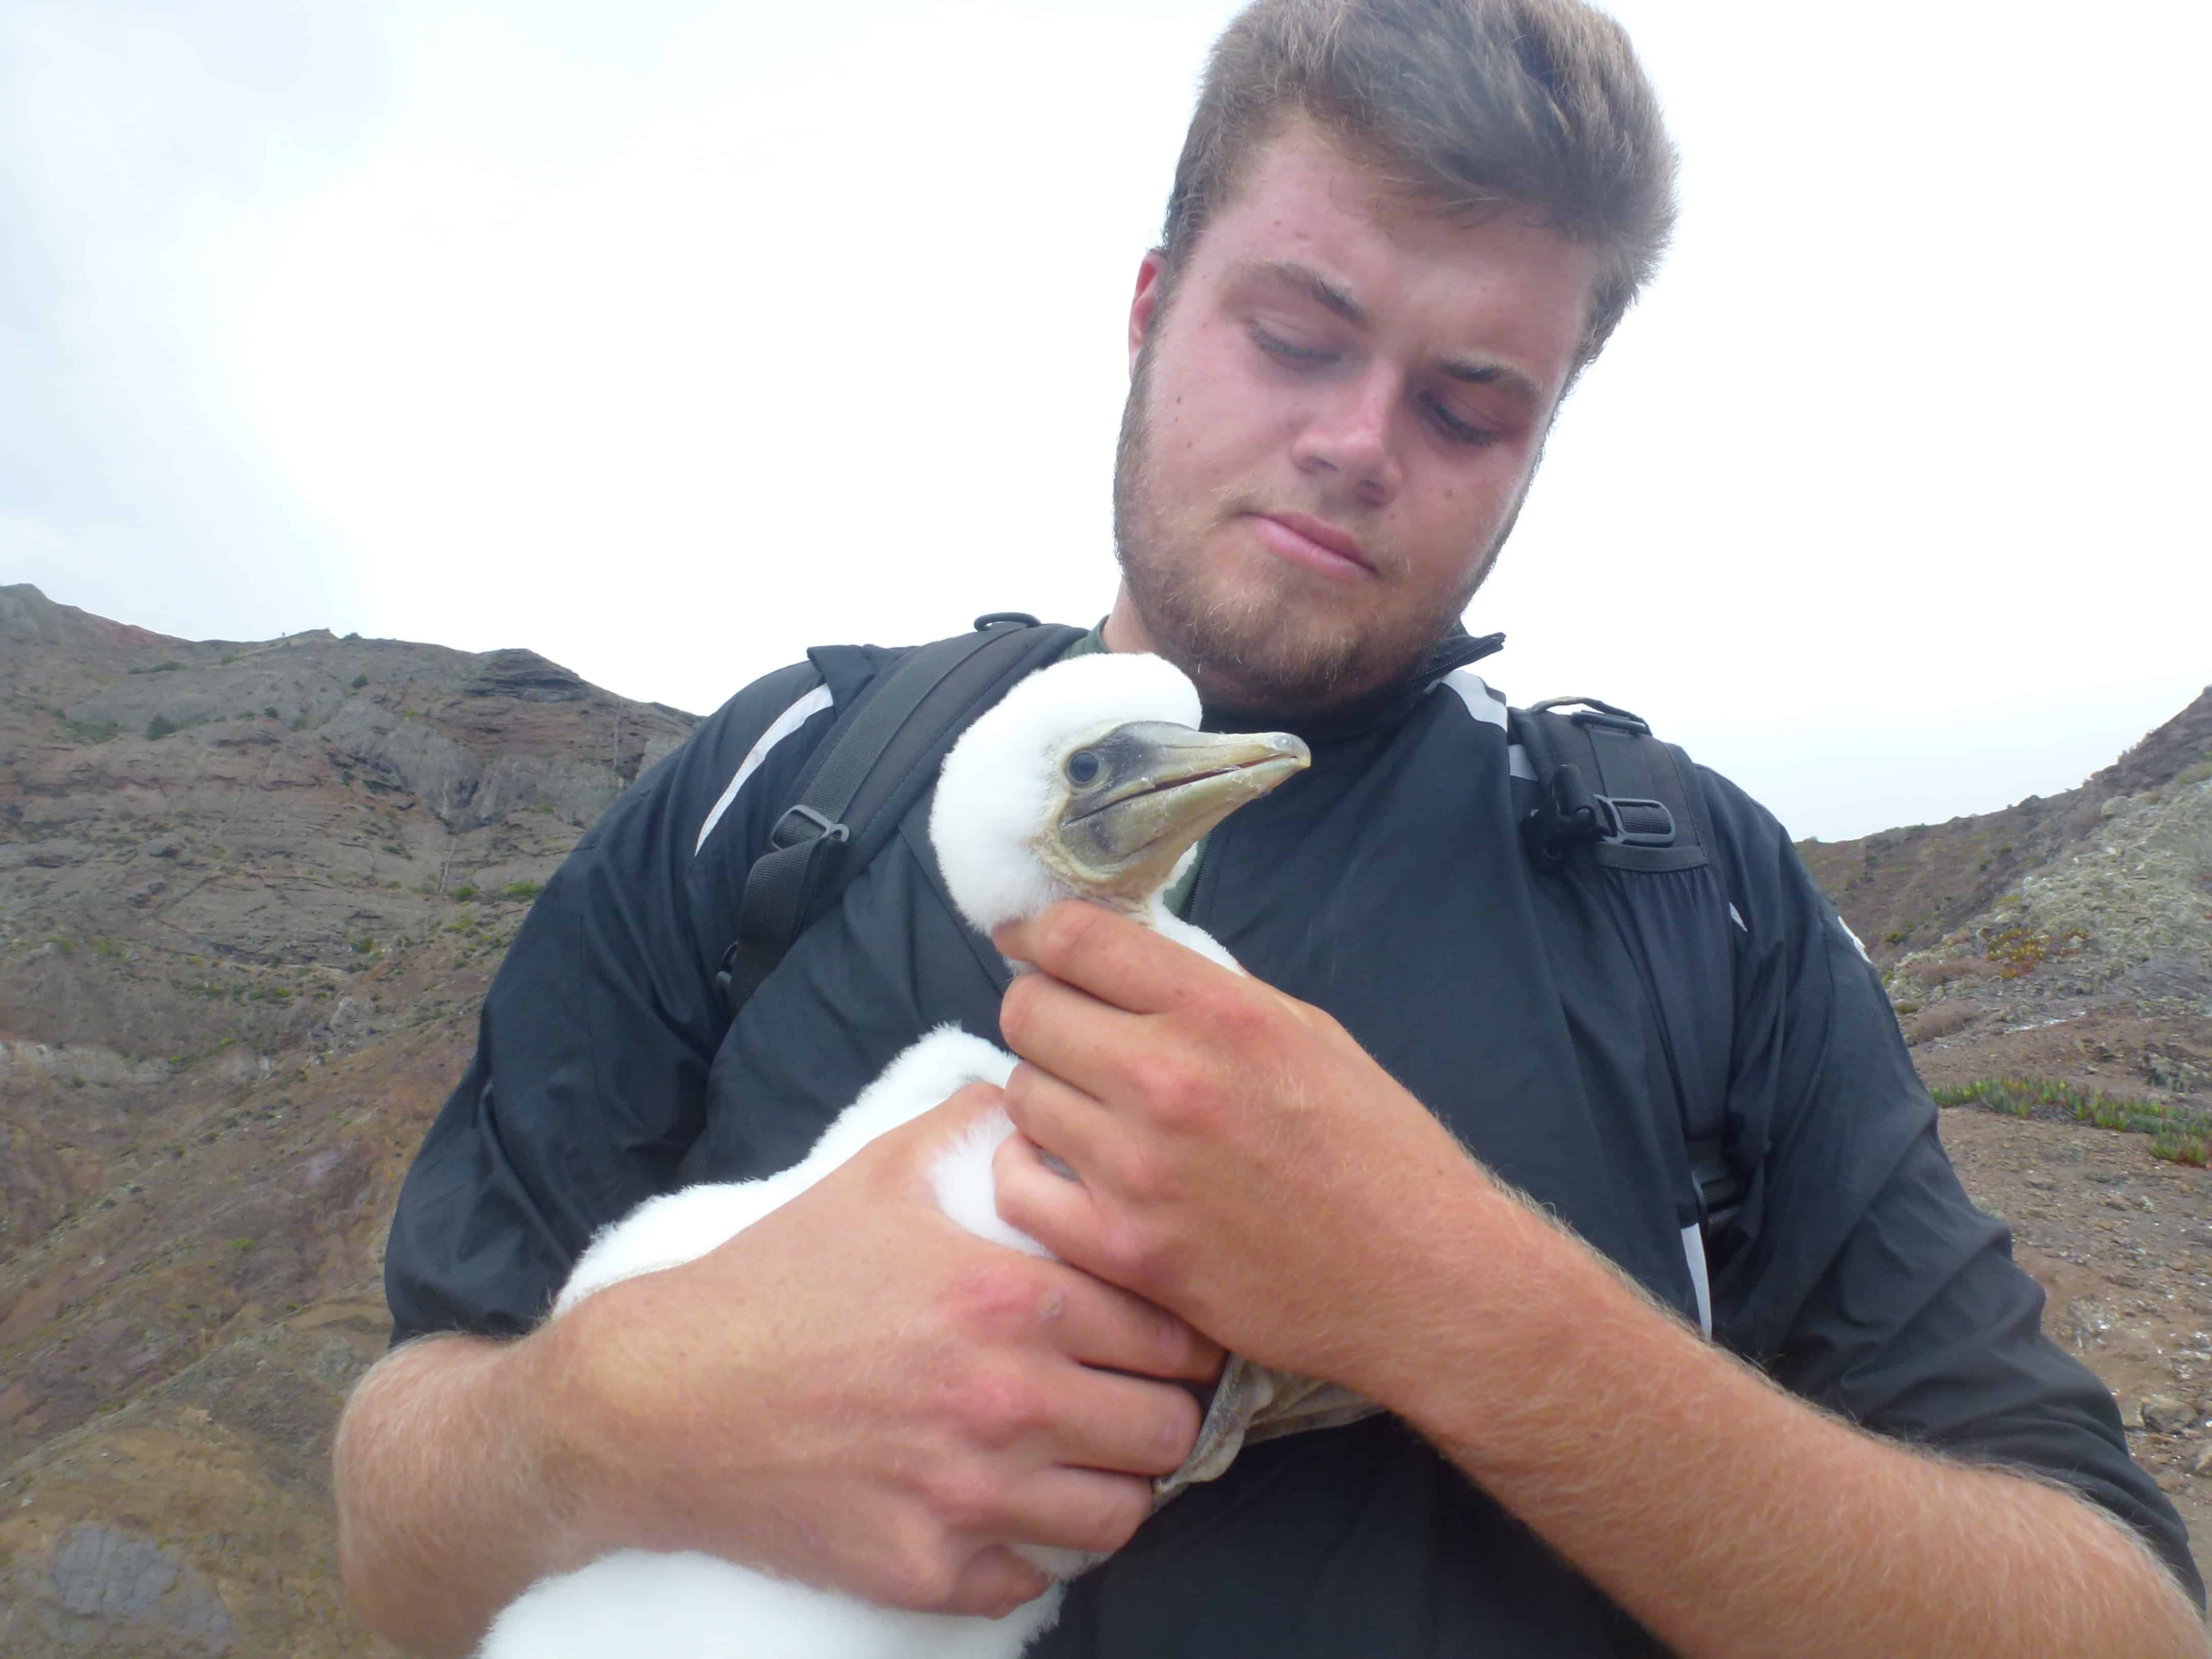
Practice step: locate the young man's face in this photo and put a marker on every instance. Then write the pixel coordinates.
(1330, 429)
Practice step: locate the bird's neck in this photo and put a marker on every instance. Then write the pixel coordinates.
(1163, 920)
(1153, 912)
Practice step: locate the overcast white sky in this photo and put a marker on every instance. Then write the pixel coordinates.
(670, 338)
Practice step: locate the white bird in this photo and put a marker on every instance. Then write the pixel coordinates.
(1088, 779)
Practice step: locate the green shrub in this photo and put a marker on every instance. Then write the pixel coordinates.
(160, 727)
(2017, 952)
(269, 712)
(2182, 1146)
(525, 889)
(461, 894)
(360, 680)
(2179, 1135)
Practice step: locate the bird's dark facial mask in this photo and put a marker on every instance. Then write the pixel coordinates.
(1140, 796)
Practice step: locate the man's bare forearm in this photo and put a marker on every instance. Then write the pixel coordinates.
(1733, 1518)
(446, 1509)
(853, 1392)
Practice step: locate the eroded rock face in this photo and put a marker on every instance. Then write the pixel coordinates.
(197, 1518)
(1907, 891)
(523, 675)
(2139, 889)
(106, 1588)
(240, 966)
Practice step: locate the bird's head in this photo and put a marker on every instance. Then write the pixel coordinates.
(1090, 780)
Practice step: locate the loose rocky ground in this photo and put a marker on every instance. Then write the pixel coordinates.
(251, 893)
(2122, 1244)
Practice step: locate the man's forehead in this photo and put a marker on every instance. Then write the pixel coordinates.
(1307, 202)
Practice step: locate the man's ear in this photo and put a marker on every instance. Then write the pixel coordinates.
(1152, 288)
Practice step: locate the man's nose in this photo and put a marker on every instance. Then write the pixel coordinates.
(1349, 435)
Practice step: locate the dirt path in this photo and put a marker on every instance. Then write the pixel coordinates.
(2122, 1245)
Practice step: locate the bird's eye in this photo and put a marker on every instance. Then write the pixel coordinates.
(1083, 767)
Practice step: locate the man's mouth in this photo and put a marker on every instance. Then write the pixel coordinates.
(1314, 543)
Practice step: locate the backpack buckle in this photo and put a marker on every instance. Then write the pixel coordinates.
(1572, 815)
(1629, 822)
(812, 826)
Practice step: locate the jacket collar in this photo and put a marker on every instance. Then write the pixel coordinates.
(1378, 710)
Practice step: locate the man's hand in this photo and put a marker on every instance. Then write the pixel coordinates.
(853, 1391)
(1240, 1158)
(1242, 1162)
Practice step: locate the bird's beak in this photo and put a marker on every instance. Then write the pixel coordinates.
(1168, 786)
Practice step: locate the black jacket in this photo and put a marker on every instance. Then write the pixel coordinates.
(1387, 885)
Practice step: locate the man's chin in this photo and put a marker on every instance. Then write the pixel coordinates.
(1266, 664)
(1266, 637)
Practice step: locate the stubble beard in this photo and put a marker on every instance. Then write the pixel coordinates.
(1246, 649)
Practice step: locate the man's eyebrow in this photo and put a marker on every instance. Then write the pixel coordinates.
(1471, 371)
(1511, 380)
(1311, 283)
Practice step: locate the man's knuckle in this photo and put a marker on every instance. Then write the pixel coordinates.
(1174, 1344)
(1179, 1423)
(1131, 1256)
(996, 1408)
(974, 1096)
(923, 1573)
(1064, 929)
(1131, 1507)
(1229, 1008)
(962, 1498)
(999, 1298)
(1025, 1089)
(1168, 1085)
(1018, 1009)
(1142, 1173)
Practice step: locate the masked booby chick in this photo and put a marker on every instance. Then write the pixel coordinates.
(1089, 780)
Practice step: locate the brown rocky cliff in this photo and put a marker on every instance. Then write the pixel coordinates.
(1903, 889)
(251, 893)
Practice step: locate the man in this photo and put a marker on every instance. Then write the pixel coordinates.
(1400, 229)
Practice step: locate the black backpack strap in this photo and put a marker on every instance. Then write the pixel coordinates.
(1607, 784)
(874, 764)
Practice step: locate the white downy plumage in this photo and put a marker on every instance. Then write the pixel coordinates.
(1088, 779)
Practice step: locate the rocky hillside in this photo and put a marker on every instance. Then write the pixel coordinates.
(1905, 890)
(252, 892)
(2090, 909)
(250, 895)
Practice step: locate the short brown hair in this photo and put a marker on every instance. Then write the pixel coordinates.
(1472, 106)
